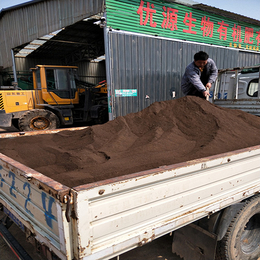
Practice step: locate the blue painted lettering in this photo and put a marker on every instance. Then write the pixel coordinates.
(48, 214)
(1, 180)
(12, 187)
(28, 186)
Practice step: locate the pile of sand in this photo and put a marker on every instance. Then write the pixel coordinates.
(162, 134)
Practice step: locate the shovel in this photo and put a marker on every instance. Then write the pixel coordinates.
(207, 98)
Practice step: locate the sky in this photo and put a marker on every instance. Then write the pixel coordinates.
(249, 8)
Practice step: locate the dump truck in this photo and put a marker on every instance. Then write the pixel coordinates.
(58, 99)
(238, 88)
(207, 203)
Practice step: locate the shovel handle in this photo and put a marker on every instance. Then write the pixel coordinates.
(207, 98)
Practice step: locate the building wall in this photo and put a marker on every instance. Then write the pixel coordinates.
(154, 67)
(91, 72)
(31, 21)
(248, 58)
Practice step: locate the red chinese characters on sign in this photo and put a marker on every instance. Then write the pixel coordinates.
(222, 30)
(170, 18)
(258, 38)
(149, 13)
(249, 33)
(207, 27)
(188, 21)
(236, 33)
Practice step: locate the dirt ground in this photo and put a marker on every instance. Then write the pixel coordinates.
(164, 133)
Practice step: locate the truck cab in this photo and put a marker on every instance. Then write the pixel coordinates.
(238, 88)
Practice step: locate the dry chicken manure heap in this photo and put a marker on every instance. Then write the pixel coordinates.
(164, 133)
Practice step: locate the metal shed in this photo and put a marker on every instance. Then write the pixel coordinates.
(147, 44)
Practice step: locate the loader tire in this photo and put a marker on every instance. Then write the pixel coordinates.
(102, 116)
(242, 239)
(38, 119)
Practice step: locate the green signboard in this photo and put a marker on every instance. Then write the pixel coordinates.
(126, 92)
(177, 21)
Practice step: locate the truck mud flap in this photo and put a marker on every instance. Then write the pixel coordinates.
(5, 119)
(193, 242)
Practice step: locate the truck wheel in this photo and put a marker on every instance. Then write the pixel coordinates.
(38, 119)
(242, 240)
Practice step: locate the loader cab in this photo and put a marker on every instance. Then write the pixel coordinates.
(55, 85)
(61, 82)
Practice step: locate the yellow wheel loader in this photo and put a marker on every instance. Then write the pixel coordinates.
(57, 99)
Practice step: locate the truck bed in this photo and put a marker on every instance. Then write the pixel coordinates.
(250, 106)
(104, 219)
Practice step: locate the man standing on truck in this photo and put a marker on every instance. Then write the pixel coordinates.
(199, 76)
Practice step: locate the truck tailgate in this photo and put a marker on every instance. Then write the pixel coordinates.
(116, 215)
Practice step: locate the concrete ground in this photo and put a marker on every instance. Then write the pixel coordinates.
(159, 249)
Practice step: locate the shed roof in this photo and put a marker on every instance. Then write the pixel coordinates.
(79, 41)
(25, 4)
(192, 3)
(63, 28)
(225, 13)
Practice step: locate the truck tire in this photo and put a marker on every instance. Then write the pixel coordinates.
(38, 119)
(242, 239)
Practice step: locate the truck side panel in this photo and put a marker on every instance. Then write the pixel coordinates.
(247, 105)
(117, 215)
(32, 201)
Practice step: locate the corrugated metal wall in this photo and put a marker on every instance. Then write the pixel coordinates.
(248, 58)
(155, 66)
(24, 64)
(92, 72)
(19, 26)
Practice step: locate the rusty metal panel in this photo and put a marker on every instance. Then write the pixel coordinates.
(35, 19)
